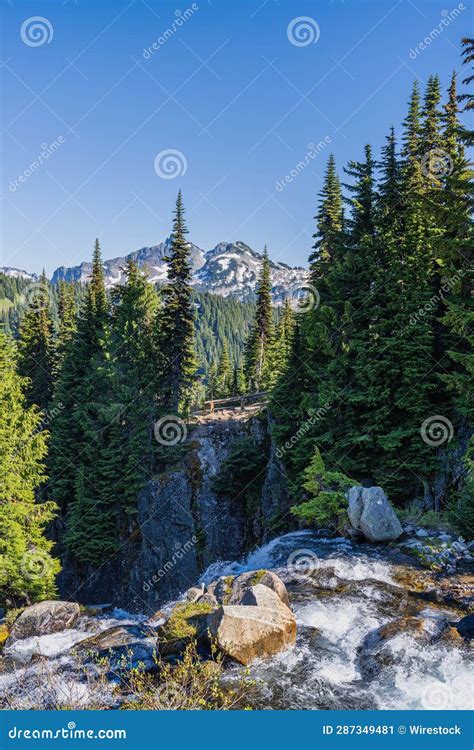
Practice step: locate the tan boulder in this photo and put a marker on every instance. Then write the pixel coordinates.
(44, 618)
(250, 631)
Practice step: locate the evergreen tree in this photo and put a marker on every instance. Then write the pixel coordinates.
(133, 395)
(283, 341)
(67, 322)
(224, 373)
(27, 569)
(260, 342)
(36, 346)
(176, 321)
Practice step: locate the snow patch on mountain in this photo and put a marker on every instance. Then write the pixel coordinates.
(229, 269)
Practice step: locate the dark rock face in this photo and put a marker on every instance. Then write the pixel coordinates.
(465, 627)
(183, 525)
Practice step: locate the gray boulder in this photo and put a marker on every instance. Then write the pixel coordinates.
(44, 618)
(371, 513)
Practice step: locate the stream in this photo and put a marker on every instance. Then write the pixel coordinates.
(372, 633)
(341, 594)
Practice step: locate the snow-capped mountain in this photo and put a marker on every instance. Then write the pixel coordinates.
(17, 273)
(229, 269)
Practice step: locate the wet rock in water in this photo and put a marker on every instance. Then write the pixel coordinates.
(194, 593)
(465, 627)
(231, 589)
(259, 627)
(127, 647)
(44, 618)
(371, 513)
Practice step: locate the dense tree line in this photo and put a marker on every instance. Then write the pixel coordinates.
(380, 375)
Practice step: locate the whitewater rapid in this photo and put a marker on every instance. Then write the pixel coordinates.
(342, 593)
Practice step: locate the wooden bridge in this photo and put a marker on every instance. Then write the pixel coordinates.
(233, 403)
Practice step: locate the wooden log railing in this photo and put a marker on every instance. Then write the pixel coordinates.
(240, 400)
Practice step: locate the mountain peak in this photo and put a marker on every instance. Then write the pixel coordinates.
(230, 269)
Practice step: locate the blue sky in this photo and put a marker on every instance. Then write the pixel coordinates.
(226, 88)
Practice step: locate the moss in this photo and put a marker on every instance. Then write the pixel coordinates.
(257, 577)
(3, 635)
(12, 615)
(227, 588)
(179, 624)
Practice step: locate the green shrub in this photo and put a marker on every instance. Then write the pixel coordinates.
(327, 502)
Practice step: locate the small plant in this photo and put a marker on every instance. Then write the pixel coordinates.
(179, 625)
(327, 503)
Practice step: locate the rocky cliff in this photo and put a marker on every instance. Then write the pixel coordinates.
(184, 524)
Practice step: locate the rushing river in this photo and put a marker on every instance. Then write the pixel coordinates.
(341, 594)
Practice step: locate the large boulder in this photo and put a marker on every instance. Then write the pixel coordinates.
(44, 618)
(371, 513)
(231, 590)
(259, 627)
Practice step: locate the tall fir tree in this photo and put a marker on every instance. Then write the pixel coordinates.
(27, 568)
(36, 345)
(224, 373)
(176, 321)
(260, 341)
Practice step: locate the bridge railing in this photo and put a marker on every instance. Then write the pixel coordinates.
(239, 400)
